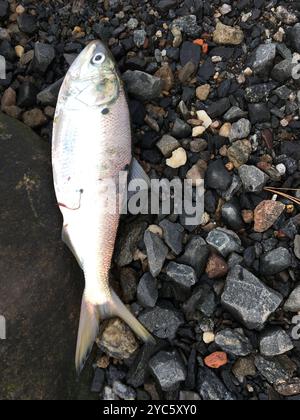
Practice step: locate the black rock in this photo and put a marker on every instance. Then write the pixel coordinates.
(274, 342)
(234, 342)
(147, 293)
(211, 388)
(206, 71)
(162, 321)
(259, 113)
(235, 113)
(283, 71)
(294, 37)
(124, 392)
(49, 95)
(202, 302)
(44, 54)
(143, 86)
(27, 23)
(165, 5)
(168, 369)
(263, 59)
(253, 179)
(7, 51)
(157, 252)
(137, 112)
(231, 215)
(224, 241)
(217, 177)
(182, 275)
(4, 8)
(248, 299)
(181, 129)
(275, 261)
(27, 95)
(98, 381)
(190, 52)
(218, 108)
(188, 25)
(196, 255)
(140, 366)
(271, 369)
(291, 148)
(260, 92)
(173, 235)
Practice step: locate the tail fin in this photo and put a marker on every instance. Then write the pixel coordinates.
(89, 325)
(87, 333)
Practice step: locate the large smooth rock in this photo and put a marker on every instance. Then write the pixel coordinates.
(40, 288)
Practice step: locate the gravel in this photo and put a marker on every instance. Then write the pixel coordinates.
(168, 369)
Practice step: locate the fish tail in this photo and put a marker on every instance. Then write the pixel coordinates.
(120, 310)
(91, 313)
(88, 331)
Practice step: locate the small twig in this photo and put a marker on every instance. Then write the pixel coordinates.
(287, 196)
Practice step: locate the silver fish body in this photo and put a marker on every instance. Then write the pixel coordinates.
(91, 145)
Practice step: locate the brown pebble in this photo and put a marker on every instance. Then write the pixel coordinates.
(229, 166)
(9, 98)
(266, 214)
(267, 136)
(264, 166)
(202, 92)
(13, 111)
(216, 267)
(165, 73)
(34, 118)
(288, 388)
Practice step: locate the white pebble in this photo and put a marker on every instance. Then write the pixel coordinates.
(281, 168)
(178, 159)
(208, 337)
(225, 9)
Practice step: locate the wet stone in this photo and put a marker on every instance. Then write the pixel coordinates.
(157, 252)
(147, 293)
(211, 388)
(248, 299)
(163, 322)
(271, 369)
(44, 54)
(263, 59)
(190, 52)
(217, 177)
(275, 342)
(231, 215)
(141, 85)
(168, 369)
(183, 275)
(234, 342)
(224, 241)
(253, 179)
(188, 25)
(275, 261)
(173, 235)
(196, 255)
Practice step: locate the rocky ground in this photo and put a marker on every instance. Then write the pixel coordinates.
(214, 93)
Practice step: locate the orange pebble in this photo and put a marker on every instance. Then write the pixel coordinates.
(216, 360)
(199, 42)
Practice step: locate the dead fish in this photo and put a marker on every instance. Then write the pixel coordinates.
(91, 144)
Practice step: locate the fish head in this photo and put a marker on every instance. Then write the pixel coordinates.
(93, 79)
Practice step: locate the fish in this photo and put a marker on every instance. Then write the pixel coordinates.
(91, 144)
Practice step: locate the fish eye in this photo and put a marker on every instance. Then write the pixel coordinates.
(98, 58)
